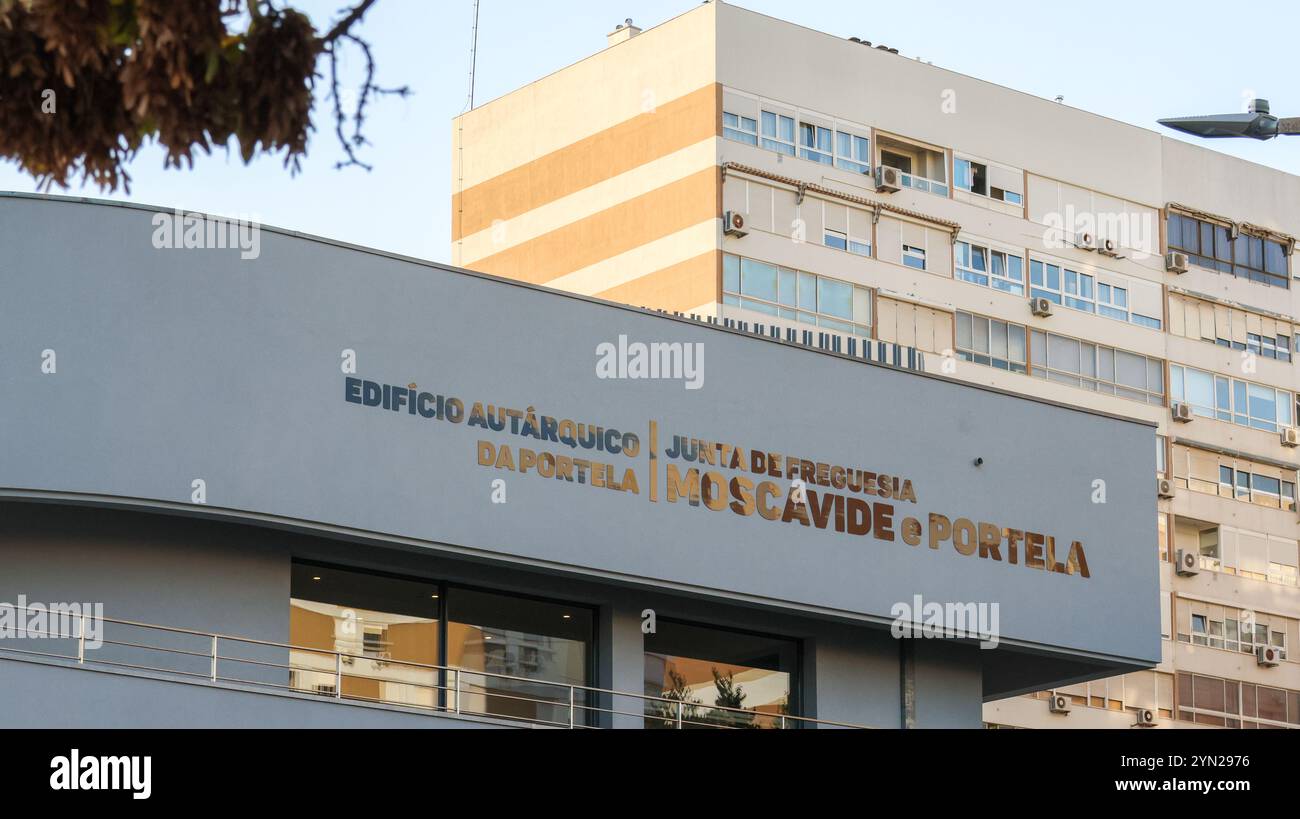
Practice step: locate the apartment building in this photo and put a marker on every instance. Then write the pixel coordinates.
(706, 166)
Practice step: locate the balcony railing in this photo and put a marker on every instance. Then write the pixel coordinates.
(287, 669)
(920, 183)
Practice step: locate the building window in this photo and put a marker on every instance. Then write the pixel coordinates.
(1228, 326)
(1078, 291)
(1199, 630)
(796, 296)
(712, 677)
(1212, 245)
(1045, 281)
(519, 654)
(815, 143)
(1237, 634)
(1097, 368)
(1112, 301)
(515, 657)
(1207, 546)
(985, 266)
(1229, 399)
(1081, 291)
(741, 129)
(971, 176)
(852, 152)
(921, 168)
(1237, 478)
(1232, 704)
(387, 628)
(990, 342)
(778, 133)
(914, 257)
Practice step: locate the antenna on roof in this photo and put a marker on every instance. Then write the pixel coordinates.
(473, 58)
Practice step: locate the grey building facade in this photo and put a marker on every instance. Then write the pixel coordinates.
(329, 486)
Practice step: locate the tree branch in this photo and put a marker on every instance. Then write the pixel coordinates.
(342, 26)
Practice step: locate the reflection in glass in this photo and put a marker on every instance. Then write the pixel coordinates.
(708, 677)
(525, 641)
(385, 628)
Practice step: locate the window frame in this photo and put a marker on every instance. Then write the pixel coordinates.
(1216, 248)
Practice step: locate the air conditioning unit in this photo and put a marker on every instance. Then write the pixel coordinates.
(1146, 718)
(888, 180)
(733, 224)
(1176, 262)
(1059, 704)
(1107, 247)
(1182, 413)
(1189, 563)
(1268, 656)
(1040, 307)
(1085, 241)
(1290, 436)
(1164, 487)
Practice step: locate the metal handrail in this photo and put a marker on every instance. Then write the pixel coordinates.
(448, 697)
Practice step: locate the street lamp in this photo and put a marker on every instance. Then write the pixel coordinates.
(1257, 123)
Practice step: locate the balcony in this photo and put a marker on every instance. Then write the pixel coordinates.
(243, 664)
(922, 167)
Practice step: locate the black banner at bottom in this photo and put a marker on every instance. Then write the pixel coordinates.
(330, 768)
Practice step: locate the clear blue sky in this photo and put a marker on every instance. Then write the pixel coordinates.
(1134, 61)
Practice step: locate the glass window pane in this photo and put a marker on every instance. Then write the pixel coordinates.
(1274, 258)
(517, 637)
(1106, 364)
(1199, 388)
(719, 677)
(758, 279)
(1016, 343)
(835, 298)
(1130, 370)
(731, 273)
(1088, 360)
(788, 279)
(1155, 376)
(377, 621)
(1263, 402)
(1189, 234)
(807, 291)
(964, 331)
(998, 340)
(1063, 354)
(981, 331)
